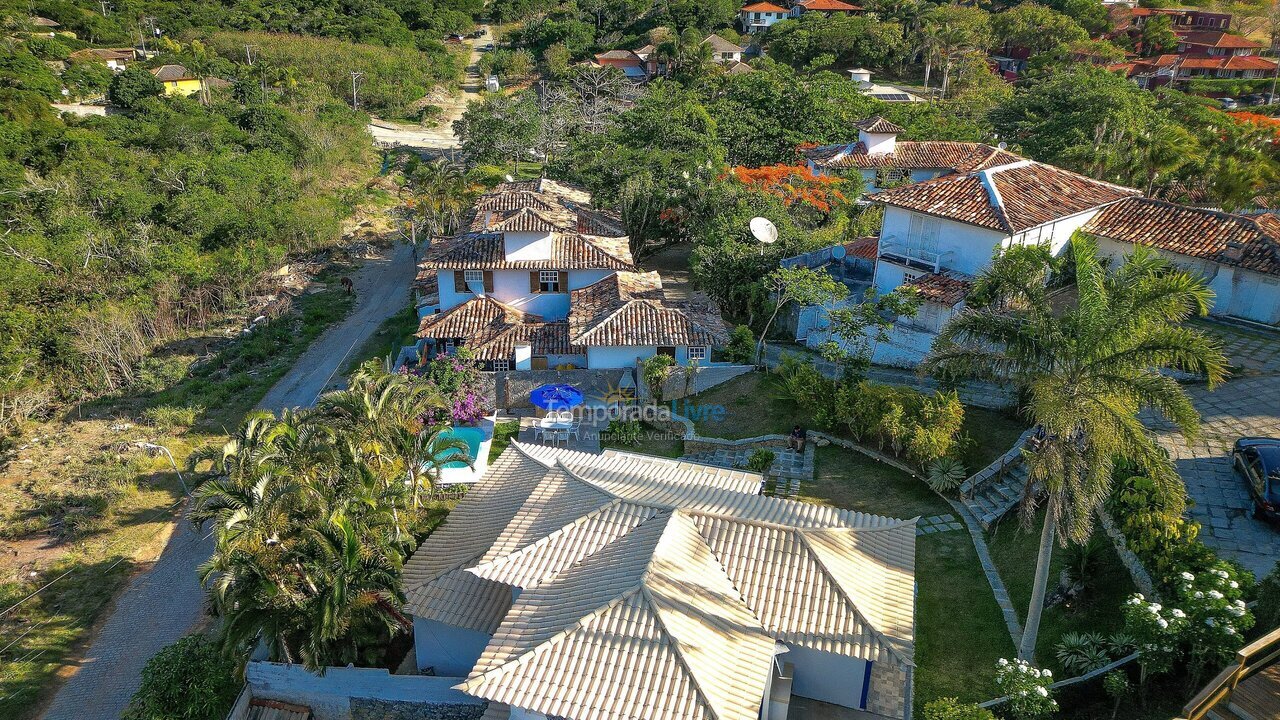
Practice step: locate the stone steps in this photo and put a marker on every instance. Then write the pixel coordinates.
(998, 488)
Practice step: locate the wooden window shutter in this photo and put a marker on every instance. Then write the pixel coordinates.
(488, 281)
(564, 281)
(460, 282)
(534, 285)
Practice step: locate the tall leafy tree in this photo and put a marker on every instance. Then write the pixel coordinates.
(1087, 372)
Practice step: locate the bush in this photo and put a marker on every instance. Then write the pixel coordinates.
(953, 709)
(945, 474)
(1027, 688)
(624, 432)
(1267, 611)
(167, 418)
(761, 460)
(188, 680)
(655, 370)
(742, 346)
(1081, 652)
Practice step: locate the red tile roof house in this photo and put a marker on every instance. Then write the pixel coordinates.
(757, 17)
(826, 7)
(541, 278)
(941, 231)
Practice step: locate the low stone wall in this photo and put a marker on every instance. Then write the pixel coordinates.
(340, 692)
(698, 444)
(679, 385)
(1141, 578)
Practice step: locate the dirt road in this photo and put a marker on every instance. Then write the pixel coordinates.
(441, 136)
(166, 602)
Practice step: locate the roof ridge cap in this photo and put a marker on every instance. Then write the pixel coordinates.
(577, 521)
(826, 571)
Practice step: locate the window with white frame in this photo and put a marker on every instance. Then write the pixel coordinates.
(697, 353)
(501, 365)
(549, 281)
(473, 277)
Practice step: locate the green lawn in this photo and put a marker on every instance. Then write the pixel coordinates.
(991, 432)
(653, 441)
(1014, 548)
(959, 630)
(503, 432)
(751, 406)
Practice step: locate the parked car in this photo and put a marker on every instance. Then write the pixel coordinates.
(455, 37)
(488, 47)
(1228, 103)
(476, 34)
(1254, 99)
(1258, 462)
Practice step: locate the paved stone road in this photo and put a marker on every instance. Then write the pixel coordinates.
(167, 602)
(1248, 404)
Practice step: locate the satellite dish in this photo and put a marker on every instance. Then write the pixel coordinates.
(764, 230)
(838, 252)
(1003, 145)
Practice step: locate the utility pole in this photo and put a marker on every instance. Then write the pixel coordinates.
(248, 56)
(106, 7)
(149, 23)
(356, 75)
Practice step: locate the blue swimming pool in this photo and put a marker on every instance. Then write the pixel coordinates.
(472, 436)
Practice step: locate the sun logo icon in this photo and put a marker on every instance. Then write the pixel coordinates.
(616, 395)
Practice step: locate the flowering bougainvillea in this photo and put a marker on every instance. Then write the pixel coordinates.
(457, 378)
(795, 184)
(1027, 688)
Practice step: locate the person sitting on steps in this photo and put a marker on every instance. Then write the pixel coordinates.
(796, 440)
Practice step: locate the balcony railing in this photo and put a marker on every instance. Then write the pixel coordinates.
(911, 251)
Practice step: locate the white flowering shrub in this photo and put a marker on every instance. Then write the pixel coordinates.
(1205, 622)
(1027, 688)
(1213, 601)
(1156, 632)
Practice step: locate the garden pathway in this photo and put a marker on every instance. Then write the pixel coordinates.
(166, 602)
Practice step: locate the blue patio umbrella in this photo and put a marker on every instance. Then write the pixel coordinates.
(556, 397)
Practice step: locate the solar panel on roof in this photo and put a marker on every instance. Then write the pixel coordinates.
(892, 97)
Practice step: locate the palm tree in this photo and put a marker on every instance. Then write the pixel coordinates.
(425, 453)
(1087, 372)
(443, 193)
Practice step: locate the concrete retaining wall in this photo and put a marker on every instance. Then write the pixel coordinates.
(341, 692)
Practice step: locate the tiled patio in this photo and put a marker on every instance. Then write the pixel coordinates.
(789, 467)
(587, 440)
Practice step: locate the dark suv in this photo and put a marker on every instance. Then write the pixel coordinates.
(1258, 462)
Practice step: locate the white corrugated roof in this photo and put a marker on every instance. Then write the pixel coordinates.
(655, 588)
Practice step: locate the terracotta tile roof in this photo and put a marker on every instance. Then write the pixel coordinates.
(828, 5)
(629, 308)
(1240, 62)
(1215, 38)
(740, 68)
(942, 288)
(492, 329)
(515, 207)
(617, 55)
(912, 155)
(1252, 243)
(878, 124)
(653, 587)
(510, 201)
(763, 7)
(867, 248)
(1008, 198)
(526, 220)
(485, 251)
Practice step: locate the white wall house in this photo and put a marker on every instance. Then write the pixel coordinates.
(758, 17)
(883, 161)
(1238, 256)
(939, 233)
(544, 280)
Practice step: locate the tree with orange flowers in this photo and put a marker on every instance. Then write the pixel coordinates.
(794, 184)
